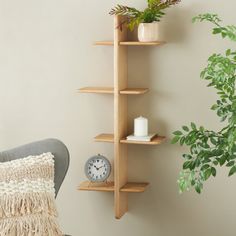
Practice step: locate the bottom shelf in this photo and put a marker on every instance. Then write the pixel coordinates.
(109, 187)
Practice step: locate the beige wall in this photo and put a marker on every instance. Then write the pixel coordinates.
(46, 53)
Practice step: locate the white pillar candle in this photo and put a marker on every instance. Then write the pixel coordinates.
(140, 126)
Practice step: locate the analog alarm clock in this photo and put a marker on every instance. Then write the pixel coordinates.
(97, 168)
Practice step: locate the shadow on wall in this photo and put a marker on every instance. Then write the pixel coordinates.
(174, 28)
(158, 165)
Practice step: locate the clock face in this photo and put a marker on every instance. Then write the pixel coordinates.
(97, 168)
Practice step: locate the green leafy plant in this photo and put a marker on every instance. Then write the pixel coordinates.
(209, 149)
(153, 12)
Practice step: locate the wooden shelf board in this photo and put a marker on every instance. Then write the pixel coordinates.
(130, 43)
(134, 187)
(106, 90)
(155, 141)
(110, 139)
(109, 187)
(105, 138)
(104, 43)
(137, 43)
(109, 90)
(134, 91)
(103, 187)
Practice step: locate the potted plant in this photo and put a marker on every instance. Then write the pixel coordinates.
(209, 149)
(146, 20)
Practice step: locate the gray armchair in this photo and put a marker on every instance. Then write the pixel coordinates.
(56, 147)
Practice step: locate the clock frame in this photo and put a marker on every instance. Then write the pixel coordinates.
(90, 167)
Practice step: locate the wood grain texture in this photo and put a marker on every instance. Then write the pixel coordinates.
(109, 187)
(102, 187)
(134, 91)
(104, 43)
(109, 90)
(134, 187)
(129, 43)
(105, 90)
(107, 138)
(137, 43)
(120, 118)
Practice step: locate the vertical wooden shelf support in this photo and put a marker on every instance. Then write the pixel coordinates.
(120, 118)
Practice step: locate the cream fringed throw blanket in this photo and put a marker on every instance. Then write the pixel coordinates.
(27, 205)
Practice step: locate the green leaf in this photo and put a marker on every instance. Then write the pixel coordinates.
(185, 128)
(207, 174)
(213, 171)
(193, 165)
(217, 152)
(222, 160)
(198, 188)
(228, 52)
(217, 30)
(193, 126)
(178, 133)
(182, 140)
(187, 165)
(187, 156)
(232, 157)
(214, 107)
(232, 170)
(204, 167)
(175, 139)
(215, 163)
(213, 141)
(231, 163)
(201, 128)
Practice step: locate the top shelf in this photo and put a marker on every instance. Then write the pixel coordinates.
(130, 43)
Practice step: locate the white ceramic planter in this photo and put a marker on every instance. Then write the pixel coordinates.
(148, 32)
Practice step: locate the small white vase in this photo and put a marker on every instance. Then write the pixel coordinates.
(148, 32)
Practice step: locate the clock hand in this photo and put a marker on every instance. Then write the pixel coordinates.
(100, 167)
(96, 167)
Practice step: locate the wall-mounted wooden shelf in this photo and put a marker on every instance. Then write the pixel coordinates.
(130, 43)
(134, 187)
(134, 91)
(108, 90)
(110, 187)
(121, 187)
(104, 43)
(136, 43)
(105, 90)
(102, 187)
(107, 138)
